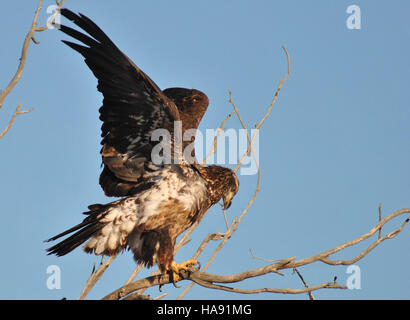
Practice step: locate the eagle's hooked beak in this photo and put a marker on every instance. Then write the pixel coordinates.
(228, 200)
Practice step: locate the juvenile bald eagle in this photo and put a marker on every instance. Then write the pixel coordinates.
(159, 201)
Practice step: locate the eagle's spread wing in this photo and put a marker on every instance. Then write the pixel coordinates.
(133, 107)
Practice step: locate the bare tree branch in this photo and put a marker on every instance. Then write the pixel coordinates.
(214, 281)
(29, 37)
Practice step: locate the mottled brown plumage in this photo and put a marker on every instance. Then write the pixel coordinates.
(159, 200)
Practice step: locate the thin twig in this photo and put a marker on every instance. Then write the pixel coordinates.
(95, 276)
(13, 118)
(248, 151)
(365, 252)
(23, 57)
(310, 294)
(380, 218)
(215, 143)
(263, 259)
(210, 237)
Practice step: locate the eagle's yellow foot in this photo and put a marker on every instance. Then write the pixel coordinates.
(177, 268)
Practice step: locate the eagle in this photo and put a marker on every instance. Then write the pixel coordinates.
(158, 200)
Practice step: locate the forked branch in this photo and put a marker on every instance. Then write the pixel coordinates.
(29, 37)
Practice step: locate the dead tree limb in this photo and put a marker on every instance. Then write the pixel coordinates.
(214, 281)
(24, 51)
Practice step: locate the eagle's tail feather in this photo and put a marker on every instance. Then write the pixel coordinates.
(85, 230)
(72, 242)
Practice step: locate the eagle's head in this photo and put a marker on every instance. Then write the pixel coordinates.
(223, 184)
(231, 189)
(191, 104)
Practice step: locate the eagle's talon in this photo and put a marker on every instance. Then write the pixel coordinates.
(175, 285)
(184, 265)
(177, 268)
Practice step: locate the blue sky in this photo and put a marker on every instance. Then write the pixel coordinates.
(334, 147)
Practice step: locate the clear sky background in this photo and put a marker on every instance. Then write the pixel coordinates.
(334, 147)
